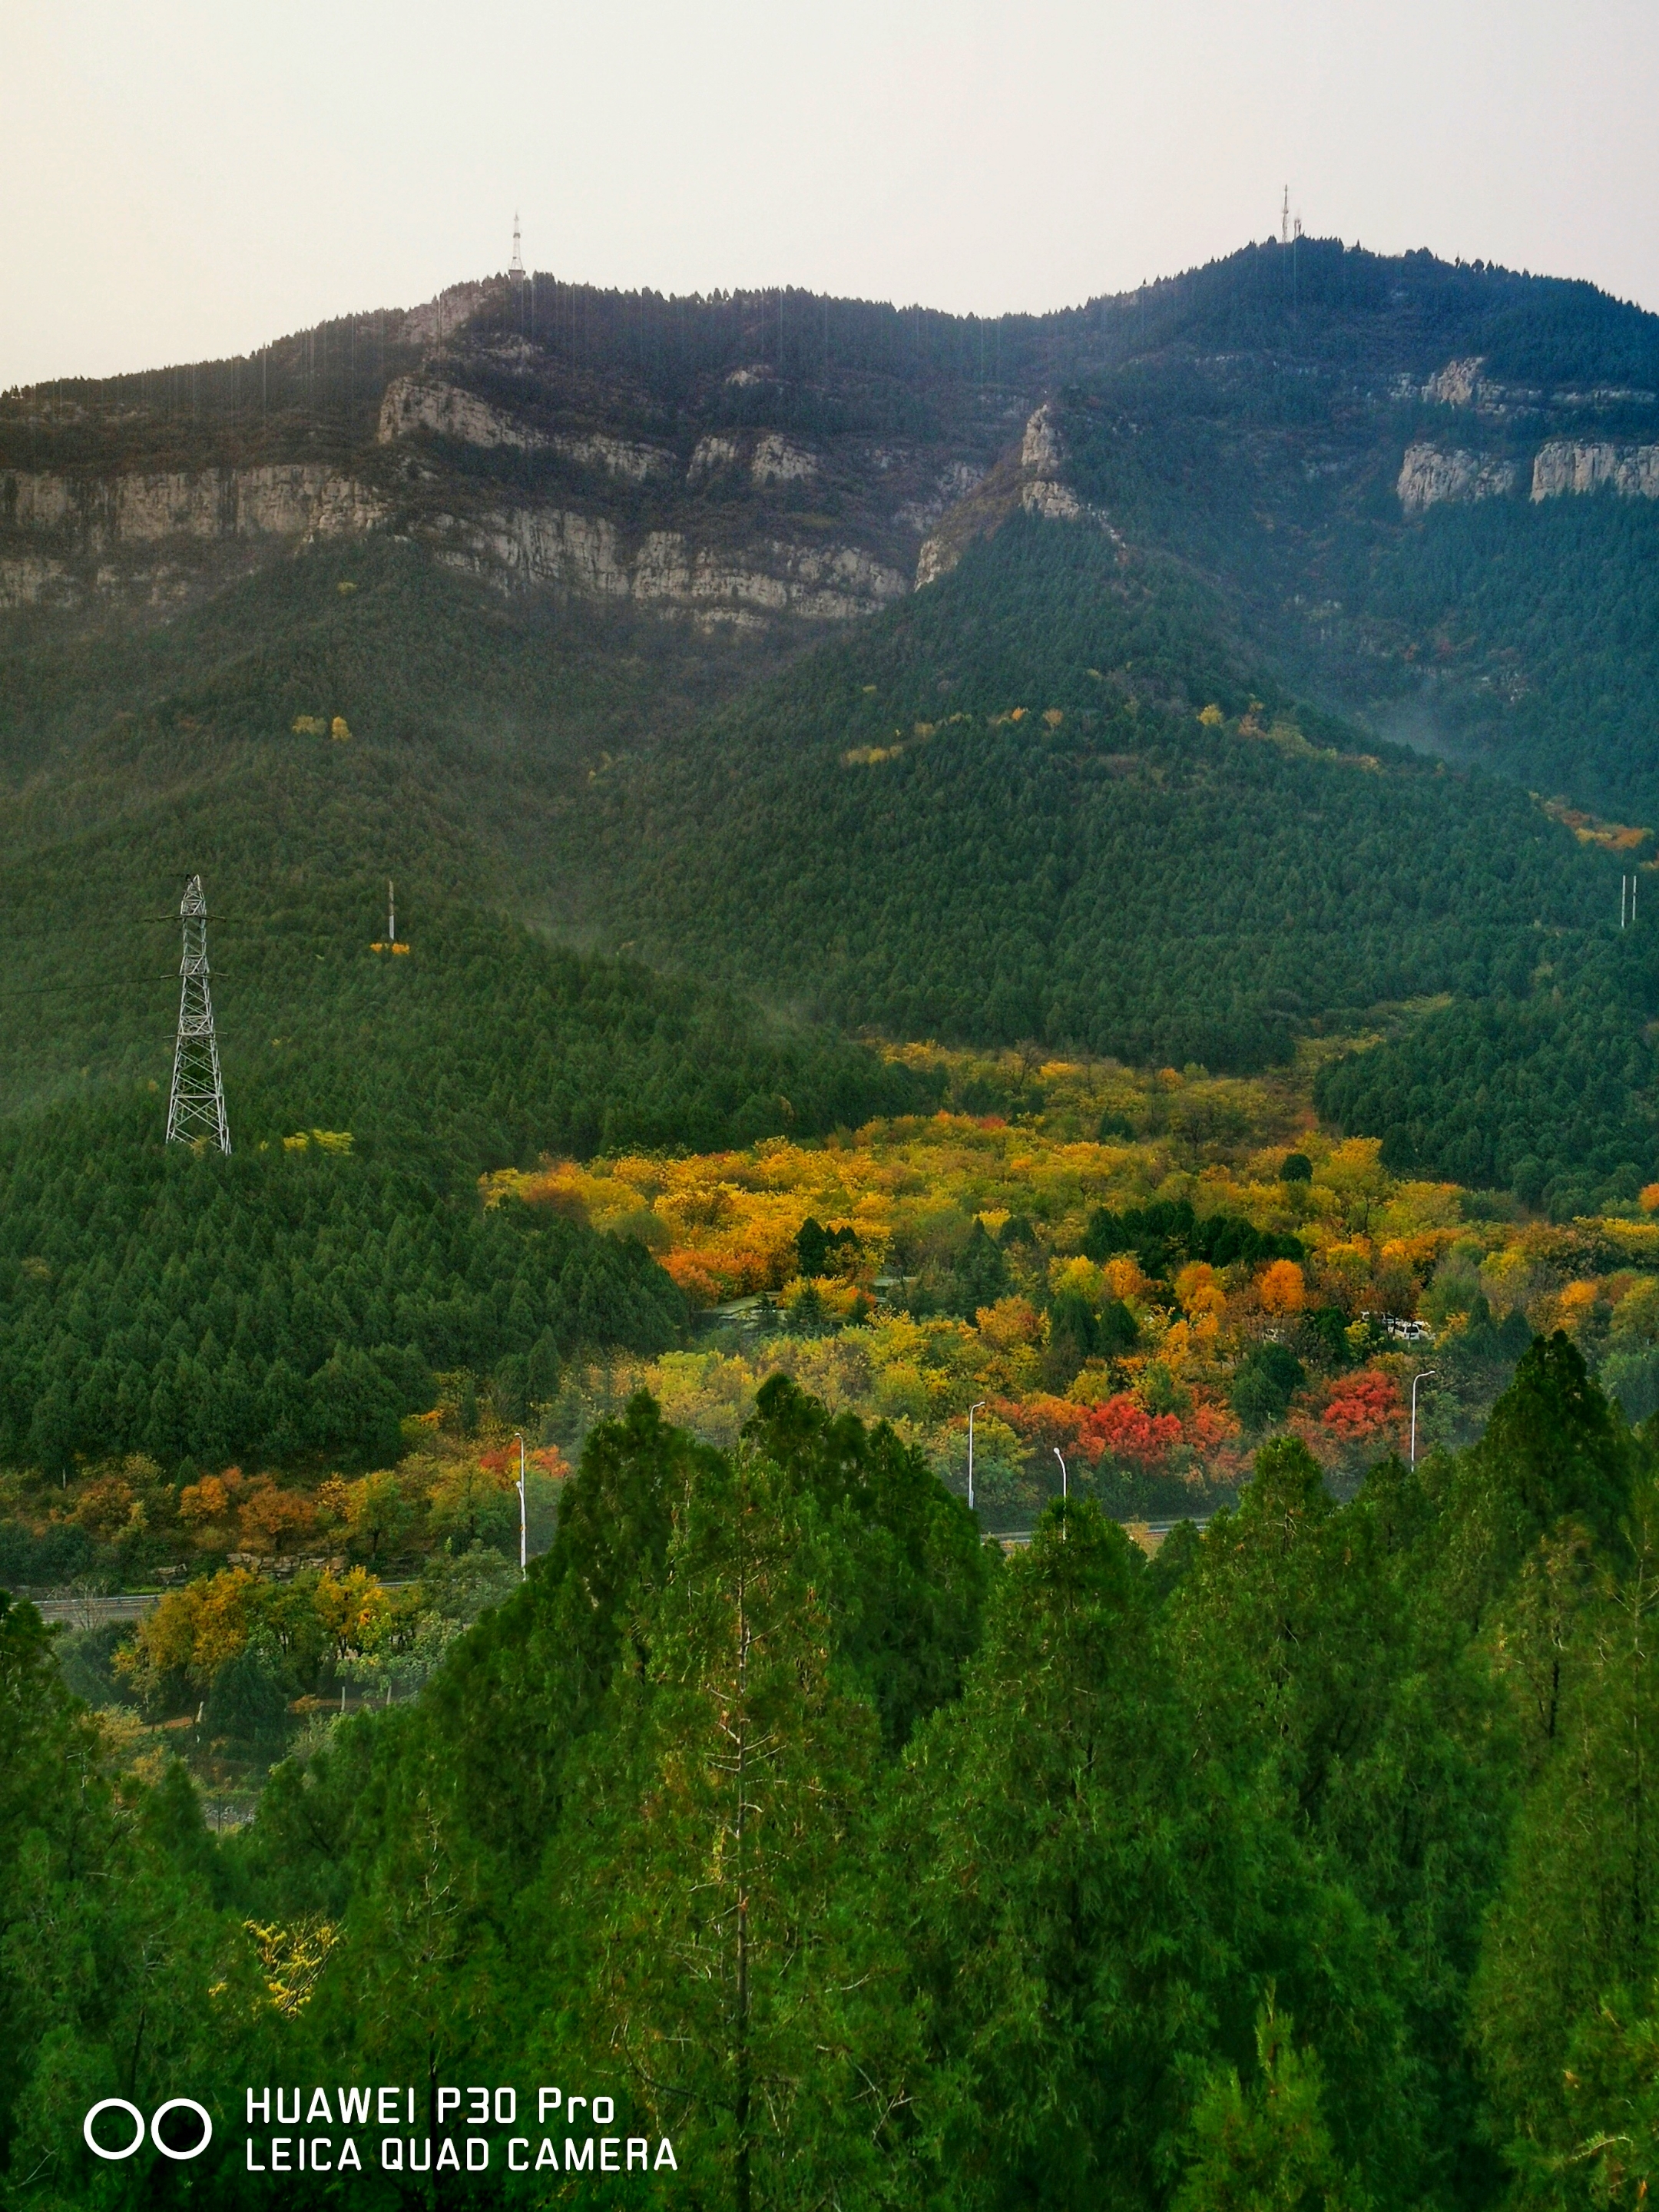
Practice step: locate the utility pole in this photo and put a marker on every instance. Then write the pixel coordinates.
(523, 1525)
(196, 1106)
(1416, 1379)
(972, 1410)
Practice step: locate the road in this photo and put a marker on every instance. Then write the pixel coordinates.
(1011, 1538)
(94, 1612)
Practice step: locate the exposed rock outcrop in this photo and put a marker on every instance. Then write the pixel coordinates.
(1429, 475)
(588, 555)
(1027, 483)
(712, 456)
(418, 402)
(619, 457)
(1054, 502)
(294, 499)
(1040, 449)
(778, 459)
(954, 483)
(26, 581)
(1457, 385)
(1564, 466)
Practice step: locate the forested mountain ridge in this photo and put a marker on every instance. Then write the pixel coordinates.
(1056, 795)
(1380, 457)
(1073, 790)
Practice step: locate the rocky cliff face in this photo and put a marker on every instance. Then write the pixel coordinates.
(1560, 468)
(292, 500)
(93, 522)
(1430, 474)
(512, 460)
(1564, 466)
(1029, 482)
(666, 572)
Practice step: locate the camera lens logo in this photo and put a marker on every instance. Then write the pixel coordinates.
(154, 2129)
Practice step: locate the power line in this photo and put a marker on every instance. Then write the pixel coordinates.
(109, 983)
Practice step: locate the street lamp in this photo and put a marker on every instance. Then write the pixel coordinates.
(972, 1410)
(1064, 1494)
(1416, 1379)
(523, 1569)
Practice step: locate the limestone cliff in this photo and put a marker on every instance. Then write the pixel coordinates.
(1562, 466)
(1429, 475)
(413, 403)
(527, 456)
(295, 500)
(1457, 385)
(666, 570)
(1027, 482)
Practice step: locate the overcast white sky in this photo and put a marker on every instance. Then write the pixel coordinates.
(180, 180)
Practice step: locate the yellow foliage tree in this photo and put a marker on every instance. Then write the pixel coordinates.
(1281, 1288)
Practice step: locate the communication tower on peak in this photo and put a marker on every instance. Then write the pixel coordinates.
(1284, 220)
(515, 269)
(196, 1104)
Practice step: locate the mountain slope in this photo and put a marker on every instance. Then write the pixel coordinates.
(1314, 426)
(1054, 795)
(522, 599)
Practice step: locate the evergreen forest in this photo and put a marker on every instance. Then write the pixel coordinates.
(911, 1457)
(1303, 1865)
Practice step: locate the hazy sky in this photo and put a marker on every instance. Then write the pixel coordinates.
(180, 179)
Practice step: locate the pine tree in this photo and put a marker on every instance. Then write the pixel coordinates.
(726, 1810)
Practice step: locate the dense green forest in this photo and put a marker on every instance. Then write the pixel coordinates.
(297, 1296)
(1307, 1864)
(1548, 1092)
(140, 757)
(990, 814)
(1304, 1863)
(998, 812)
(1539, 626)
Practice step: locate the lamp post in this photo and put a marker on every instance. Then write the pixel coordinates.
(972, 1410)
(1416, 1379)
(1065, 1493)
(523, 1525)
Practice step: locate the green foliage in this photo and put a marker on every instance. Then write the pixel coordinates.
(865, 1868)
(248, 1702)
(1546, 1093)
(1268, 2149)
(1061, 1884)
(869, 887)
(1164, 1236)
(1266, 1381)
(272, 1304)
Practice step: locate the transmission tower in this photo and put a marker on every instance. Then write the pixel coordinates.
(196, 1108)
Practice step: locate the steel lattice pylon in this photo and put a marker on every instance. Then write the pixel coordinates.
(196, 1108)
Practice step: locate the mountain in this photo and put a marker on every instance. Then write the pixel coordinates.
(1166, 676)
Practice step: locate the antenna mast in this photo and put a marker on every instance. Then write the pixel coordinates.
(196, 1106)
(515, 267)
(1285, 219)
